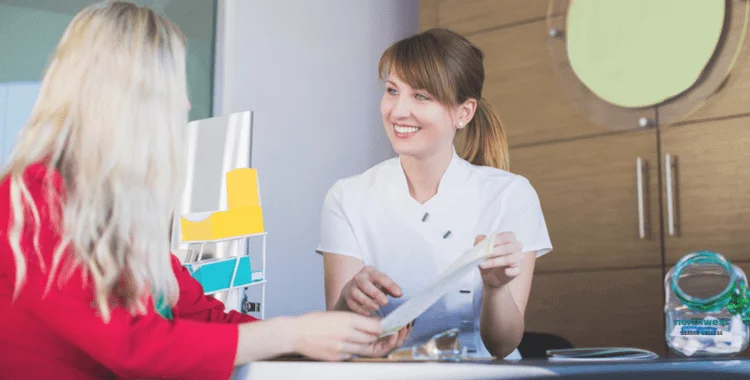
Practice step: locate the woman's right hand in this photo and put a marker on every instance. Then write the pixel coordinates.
(367, 291)
(334, 335)
(329, 336)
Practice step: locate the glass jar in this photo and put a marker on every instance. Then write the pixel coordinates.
(707, 309)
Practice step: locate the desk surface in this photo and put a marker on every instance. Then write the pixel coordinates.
(659, 368)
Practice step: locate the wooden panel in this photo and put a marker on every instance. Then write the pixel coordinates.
(587, 189)
(733, 98)
(712, 182)
(468, 17)
(601, 308)
(522, 86)
(428, 14)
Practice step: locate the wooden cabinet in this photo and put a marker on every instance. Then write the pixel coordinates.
(608, 308)
(709, 197)
(733, 98)
(521, 84)
(428, 15)
(588, 189)
(602, 284)
(520, 81)
(468, 17)
(589, 195)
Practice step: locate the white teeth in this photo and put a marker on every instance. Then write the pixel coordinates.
(405, 130)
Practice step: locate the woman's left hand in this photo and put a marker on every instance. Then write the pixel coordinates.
(504, 264)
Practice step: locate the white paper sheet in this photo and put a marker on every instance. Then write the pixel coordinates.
(418, 304)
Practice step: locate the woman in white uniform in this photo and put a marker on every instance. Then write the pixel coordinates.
(390, 231)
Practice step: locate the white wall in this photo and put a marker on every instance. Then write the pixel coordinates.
(308, 70)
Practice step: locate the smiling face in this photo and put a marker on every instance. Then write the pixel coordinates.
(433, 87)
(416, 123)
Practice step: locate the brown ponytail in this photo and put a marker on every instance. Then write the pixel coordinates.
(450, 68)
(482, 141)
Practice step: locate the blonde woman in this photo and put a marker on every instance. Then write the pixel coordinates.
(88, 288)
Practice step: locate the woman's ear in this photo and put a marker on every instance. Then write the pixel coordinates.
(466, 112)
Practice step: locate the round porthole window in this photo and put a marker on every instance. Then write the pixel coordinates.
(621, 58)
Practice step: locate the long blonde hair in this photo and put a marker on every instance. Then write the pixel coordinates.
(110, 118)
(449, 67)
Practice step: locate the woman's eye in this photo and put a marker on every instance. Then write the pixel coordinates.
(421, 97)
(391, 91)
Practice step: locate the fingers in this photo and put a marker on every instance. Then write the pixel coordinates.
(379, 348)
(504, 237)
(501, 239)
(512, 260)
(403, 335)
(367, 325)
(348, 349)
(363, 294)
(362, 301)
(385, 282)
(385, 345)
(371, 291)
(513, 271)
(363, 341)
(361, 337)
(505, 249)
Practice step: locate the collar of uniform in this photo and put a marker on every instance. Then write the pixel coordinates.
(455, 175)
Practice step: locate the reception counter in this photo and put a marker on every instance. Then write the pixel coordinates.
(526, 369)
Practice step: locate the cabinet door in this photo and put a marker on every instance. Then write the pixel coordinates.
(476, 16)
(604, 308)
(707, 191)
(589, 191)
(533, 103)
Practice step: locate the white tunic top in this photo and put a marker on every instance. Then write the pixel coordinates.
(372, 217)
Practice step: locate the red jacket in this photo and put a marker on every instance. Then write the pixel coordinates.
(61, 336)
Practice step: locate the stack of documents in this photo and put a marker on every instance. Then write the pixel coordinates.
(600, 354)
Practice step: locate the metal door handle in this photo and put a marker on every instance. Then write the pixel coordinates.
(641, 211)
(670, 194)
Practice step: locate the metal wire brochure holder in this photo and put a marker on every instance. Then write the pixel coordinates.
(237, 285)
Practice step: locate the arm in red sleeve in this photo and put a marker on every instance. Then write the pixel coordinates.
(145, 346)
(193, 304)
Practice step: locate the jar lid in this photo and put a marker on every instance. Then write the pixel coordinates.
(715, 302)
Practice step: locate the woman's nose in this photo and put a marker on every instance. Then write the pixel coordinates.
(400, 108)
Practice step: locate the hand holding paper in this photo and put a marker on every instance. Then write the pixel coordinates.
(418, 304)
(504, 263)
(367, 291)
